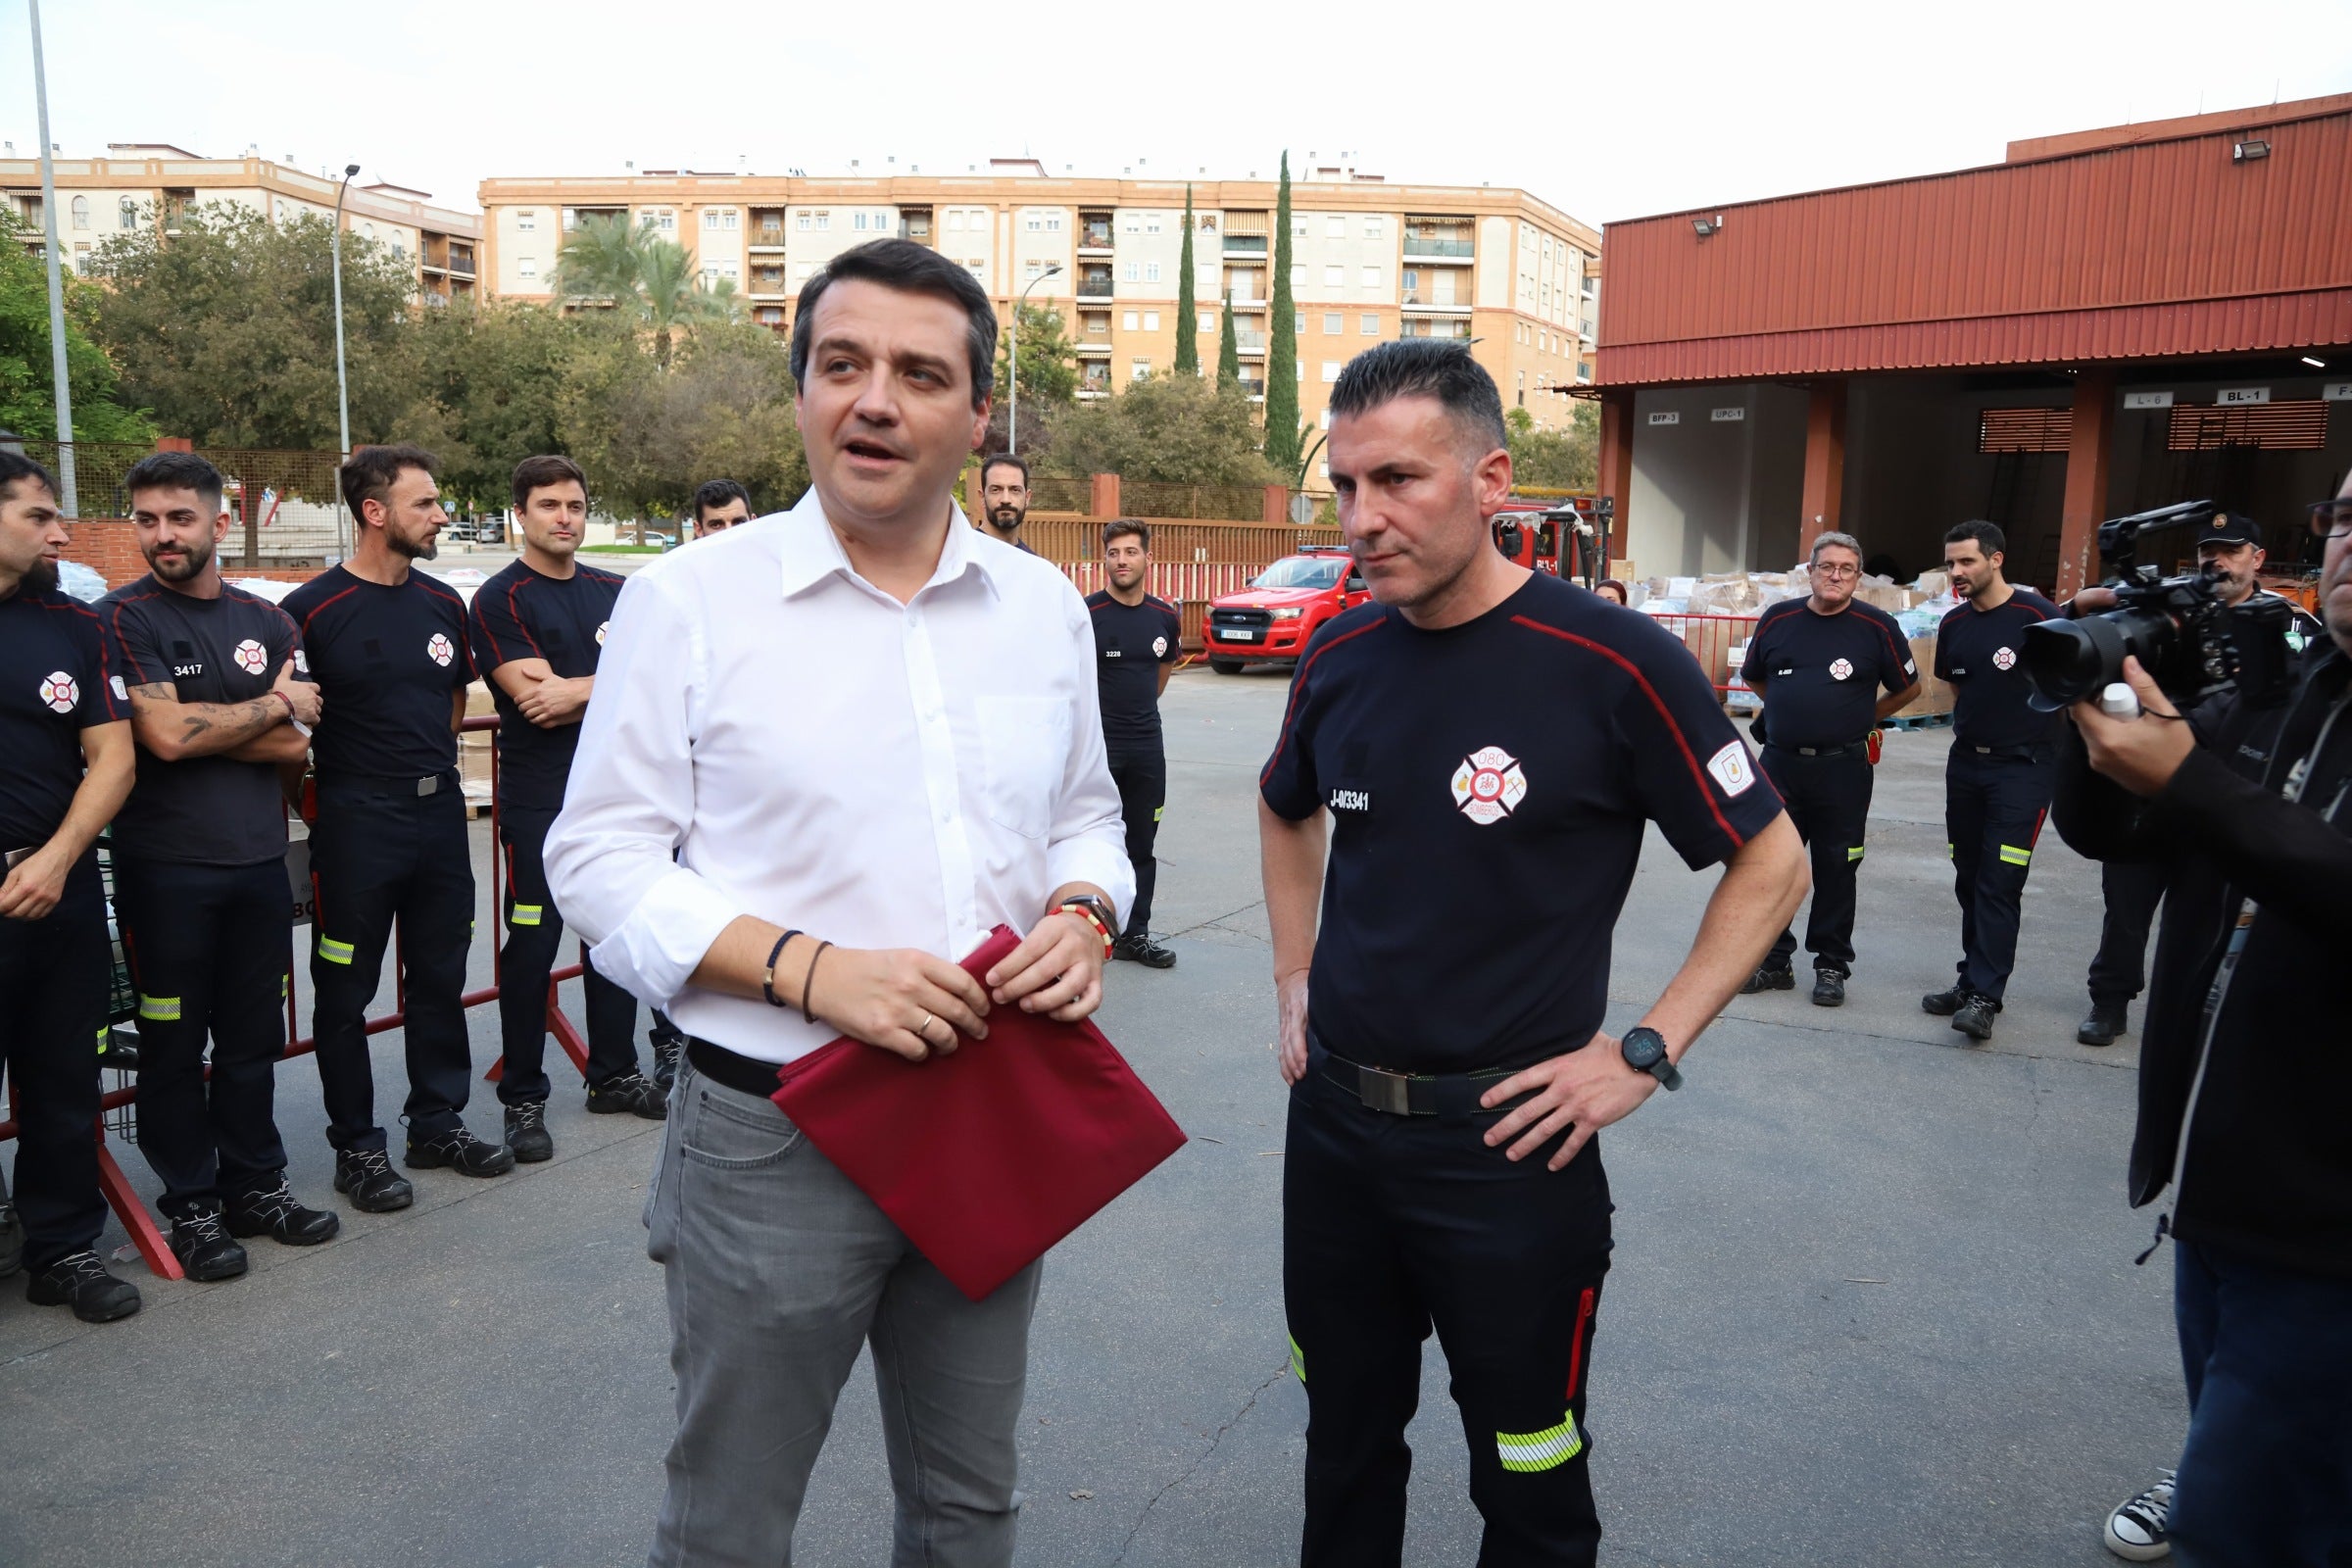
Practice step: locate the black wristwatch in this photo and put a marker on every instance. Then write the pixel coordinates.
(1645, 1051)
(1101, 907)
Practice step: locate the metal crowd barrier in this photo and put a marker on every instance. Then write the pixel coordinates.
(117, 1105)
(1711, 639)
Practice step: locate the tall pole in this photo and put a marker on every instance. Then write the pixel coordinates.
(342, 381)
(56, 287)
(1012, 422)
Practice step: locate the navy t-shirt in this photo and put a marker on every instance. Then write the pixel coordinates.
(522, 613)
(201, 810)
(1131, 643)
(1822, 674)
(1489, 786)
(386, 660)
(58, 675)
(1982, 654)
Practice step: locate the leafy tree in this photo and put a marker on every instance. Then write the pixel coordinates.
(225, 331)
(489, 383)
(27, 391)
(1229, 349)
(1049, 376)
(650, 280)
(601, 261)
(648, 436)
(1188, 336)
(1564, 459)
(1176, 428)
(1282, 348)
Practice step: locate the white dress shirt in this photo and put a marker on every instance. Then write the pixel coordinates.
(815, 753)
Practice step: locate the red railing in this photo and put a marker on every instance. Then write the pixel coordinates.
(1711, 639)
(145, 1234)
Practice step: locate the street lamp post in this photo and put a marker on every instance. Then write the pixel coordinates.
(57, 288)
(342, 381)
(1012, 422)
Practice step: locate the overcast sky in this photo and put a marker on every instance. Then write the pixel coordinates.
(1607, 112)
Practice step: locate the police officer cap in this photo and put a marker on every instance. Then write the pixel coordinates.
(2230, 529)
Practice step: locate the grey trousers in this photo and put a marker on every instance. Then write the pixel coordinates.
(778, 1270)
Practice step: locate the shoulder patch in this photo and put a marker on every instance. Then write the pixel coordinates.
(1732, 770)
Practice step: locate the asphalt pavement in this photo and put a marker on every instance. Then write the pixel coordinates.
(1873, 1300)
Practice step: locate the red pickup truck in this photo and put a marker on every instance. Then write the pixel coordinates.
(1272, 618)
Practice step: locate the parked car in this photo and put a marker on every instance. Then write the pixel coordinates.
(1270, 621)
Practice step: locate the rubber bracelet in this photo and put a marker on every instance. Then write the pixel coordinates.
(1092, 919)
(809, 983)
(767, 976)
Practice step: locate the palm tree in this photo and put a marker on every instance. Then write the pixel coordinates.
(602, 261)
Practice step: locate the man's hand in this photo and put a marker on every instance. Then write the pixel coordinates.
(556, 701)
(1056, 970)
(2091, 601)
(1580, 1093)
(33, 888)
(1290, 1025)
(305, 697)
(900, 999)
(2140, 754)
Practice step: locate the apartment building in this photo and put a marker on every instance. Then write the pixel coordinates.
(1514, 277)
(145, 183)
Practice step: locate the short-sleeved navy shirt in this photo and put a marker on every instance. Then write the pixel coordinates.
(386, 660)
(1488, 784)
(1821, 674)
(201, 810)
(1131, 643)
(521, 614)
(1982, 654)
(58, 675)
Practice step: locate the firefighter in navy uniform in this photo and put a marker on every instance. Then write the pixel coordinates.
(1136, 638)
(1482, 841)
(200, 869)
(387, 647)
(538, 627)
(2002, 769)
(65, 764)
(1829, 668)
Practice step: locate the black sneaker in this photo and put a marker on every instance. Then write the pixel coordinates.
(273, 1211)
(79, 1281)
(1828, 989)
(526, 1133)
(367, 1174)
(2137, 1531)
(633, 1092)
(460, 1150)
(1769, 977)
(2105, 1022)
(1975, 1017)
(1943, 1004)
(667, 1051)
(1138, 948)
(203, 1246)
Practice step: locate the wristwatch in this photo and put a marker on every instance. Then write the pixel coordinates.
(1100, 908)
(1645, 1051)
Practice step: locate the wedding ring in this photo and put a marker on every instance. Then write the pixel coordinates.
(923, 1031)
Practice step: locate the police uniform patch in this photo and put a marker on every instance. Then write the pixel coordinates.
(1488, 785)
(1732, 770)
(59, 692)
(1842, 669)
(252, 657)
(2004, 659)
(439, 649)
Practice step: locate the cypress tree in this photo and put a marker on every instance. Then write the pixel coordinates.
(1188, 336)
(1282, 346)
(1229, 351)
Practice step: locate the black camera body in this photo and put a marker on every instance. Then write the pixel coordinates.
(2192, 642)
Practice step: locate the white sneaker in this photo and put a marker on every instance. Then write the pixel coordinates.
(2136, 1530)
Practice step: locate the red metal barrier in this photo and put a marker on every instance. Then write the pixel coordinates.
(123, 1199)
(1711, 639)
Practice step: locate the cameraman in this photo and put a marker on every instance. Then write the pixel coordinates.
(2246, 1075)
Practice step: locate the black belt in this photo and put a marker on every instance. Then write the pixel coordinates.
(1818, 750)
(1410, 1093)
(2022, 754)
(746, 1075)
(393, 783)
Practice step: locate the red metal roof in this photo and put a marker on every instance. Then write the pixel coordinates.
(2153, 249)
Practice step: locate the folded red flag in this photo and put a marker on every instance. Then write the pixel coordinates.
(987, 1158)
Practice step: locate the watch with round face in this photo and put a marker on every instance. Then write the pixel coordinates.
(1645, 1051)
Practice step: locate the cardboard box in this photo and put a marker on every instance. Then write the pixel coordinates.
(1934, 696)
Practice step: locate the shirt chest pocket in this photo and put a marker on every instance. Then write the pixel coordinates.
(1024, 747)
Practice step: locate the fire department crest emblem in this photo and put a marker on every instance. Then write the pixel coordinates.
(60, 691)
(1842, 669)
(2004, 659)
(439, 649)
(1159, 648)
(601, 627)
(251, 656)
(1488, 785)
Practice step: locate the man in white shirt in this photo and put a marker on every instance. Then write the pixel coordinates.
(868, 734)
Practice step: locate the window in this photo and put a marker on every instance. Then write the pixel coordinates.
(1150, 320)
(1208, 321)
(81, 212)
(1131, 319)
(858, 220)
(526, 220)
(1127, 271)
(1151, 272)
(1033, 223)
(1368, 325)
(1334, 323)
(1139, 370)
(1298, 226)
(127, 215)
(1298, 327)
(1333, 275)
(1297, 277)
(1299, 372)
(825, 220)
(711, 217)
(726, 219)
(528, 267)
(400, 252)
(1412, 278)
(1053, 222)
(955, 222)
(801, 221)
(978, 266)
(1152, 223)
(1372, 277)
(1032, 269)
(1331, 369)
(1335, 226)
(1134, 225)
(1372, 227)
(668, 222)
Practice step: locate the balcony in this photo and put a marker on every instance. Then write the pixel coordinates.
(766, 242)
(1417, 301)
(1439, 250)
(1095, 236)
(460, 262)
(1254, 390)
(1244, 244)
(1093, 288)
(1092, 346)
(1249, 342)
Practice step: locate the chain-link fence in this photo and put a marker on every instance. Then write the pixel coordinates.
(1051, 493)
(283, 501)
(1147, 498)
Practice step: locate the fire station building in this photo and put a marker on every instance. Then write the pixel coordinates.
(2106, 322)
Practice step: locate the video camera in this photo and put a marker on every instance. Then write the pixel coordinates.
(2184, 636)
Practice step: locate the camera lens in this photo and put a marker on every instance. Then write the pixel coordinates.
(2068, 661)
